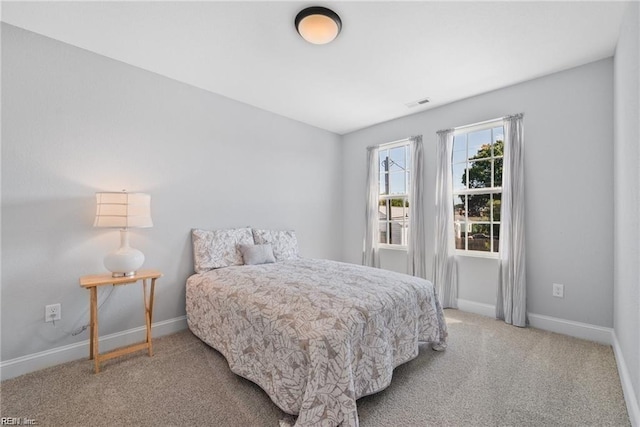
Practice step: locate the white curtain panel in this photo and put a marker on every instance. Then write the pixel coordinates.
(370, 255)
(417, 261)
(512, 292)
(445, 276)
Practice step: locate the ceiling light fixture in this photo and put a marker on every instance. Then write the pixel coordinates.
(318, 25)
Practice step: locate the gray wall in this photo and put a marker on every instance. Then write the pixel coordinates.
(568, 177)
(627, 195)
(75, 123)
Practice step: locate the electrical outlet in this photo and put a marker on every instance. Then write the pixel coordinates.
(558, 290)
(52, 312)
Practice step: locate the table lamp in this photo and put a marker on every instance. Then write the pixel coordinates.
(123, 210)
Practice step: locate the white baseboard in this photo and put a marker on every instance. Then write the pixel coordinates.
(477, 308)
(584, 331)
(55, 356)
(630, 395)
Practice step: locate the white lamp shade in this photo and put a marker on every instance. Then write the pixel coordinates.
(123, 210)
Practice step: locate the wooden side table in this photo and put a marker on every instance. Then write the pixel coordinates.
(92, 283)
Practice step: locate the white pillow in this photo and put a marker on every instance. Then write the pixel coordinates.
(257, 254)
(284, 243)
(218, 248)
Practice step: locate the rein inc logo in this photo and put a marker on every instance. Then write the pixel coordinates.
(19, 421)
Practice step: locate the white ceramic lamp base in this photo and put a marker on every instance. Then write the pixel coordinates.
(124, 261)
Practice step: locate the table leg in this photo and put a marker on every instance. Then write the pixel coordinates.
(94, 329)
(153, 286)
(91, 323)
(151, 293)
(147, 315)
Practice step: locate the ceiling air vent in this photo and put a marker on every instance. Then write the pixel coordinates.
(417, 103)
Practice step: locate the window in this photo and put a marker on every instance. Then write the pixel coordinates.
(393, 204)
(477, 187)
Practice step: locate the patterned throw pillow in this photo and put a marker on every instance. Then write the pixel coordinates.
(284, 243)
(218, 248)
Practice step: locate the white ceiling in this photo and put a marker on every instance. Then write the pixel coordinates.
(388, 54)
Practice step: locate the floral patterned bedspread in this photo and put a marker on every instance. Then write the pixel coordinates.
(315, 334)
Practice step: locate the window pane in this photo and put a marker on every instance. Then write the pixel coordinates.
(383, 232)
(398, 215)
(459, 221)
(480, 174)
(460, 229)
(498, 135)
(459, 177)
(398, 160)
(397, 184)
(383, 157)
(382, 187)
(459, 148)
(497, 200)
(480, 144)
(496, 237)
(497, 173)
(395, 235)
(479, 206)
(397, 209)
(382, 210)
(459, 156)
(479, 240)
(459, 208)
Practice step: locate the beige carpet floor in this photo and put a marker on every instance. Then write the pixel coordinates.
(492, 374)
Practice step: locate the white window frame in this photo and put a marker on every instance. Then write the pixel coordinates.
(490, 124)
(406, 224)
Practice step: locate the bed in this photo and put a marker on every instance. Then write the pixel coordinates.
(315, 335)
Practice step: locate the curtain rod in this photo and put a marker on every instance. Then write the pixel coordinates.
(394, 142)
(512, 116)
